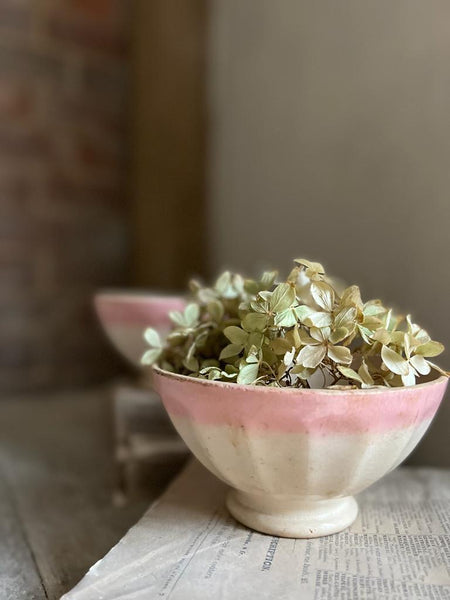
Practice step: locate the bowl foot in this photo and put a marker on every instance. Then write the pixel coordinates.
(292, 517)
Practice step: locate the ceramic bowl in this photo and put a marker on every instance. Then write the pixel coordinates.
(294, 458)
(125, 315)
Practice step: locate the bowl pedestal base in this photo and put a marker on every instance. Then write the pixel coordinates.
(286, 516)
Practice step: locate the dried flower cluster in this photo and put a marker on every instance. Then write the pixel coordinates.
(298, 333)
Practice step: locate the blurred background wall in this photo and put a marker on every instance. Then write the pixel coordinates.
(63, 163)
(330, 139)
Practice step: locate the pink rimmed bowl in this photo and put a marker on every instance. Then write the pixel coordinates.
(294, 458)
(125, 315)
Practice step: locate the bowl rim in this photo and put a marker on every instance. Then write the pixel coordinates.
(296, 391)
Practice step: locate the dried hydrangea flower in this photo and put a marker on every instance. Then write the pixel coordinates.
(293, 333)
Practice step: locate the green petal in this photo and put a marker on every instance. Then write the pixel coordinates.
(320, 333)
(248, 373)
(191, 363)
(151, 356)
(323, 294)
(152, 337)
(430, 349)
(365, 375)
(382, 336)
(216, 310)
(314, 266)
(350, 373)
(345, 317)
(177, 318)
(409, 378)
(236, 335)
(191, 314)
(311, 356)
(394, 362)
(318, 319)
(338, 335)
(420, 364)
(340, 354)
(351, 296)
(286, 318)
(280, 346)
(303, 312)
(254, 322)
(231, 350)
(282, 297)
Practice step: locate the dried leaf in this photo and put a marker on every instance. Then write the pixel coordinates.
(311, 356)
(286, 318)
(280, 346)
(216, 310)
(230, 351)
(248, 374)
(351, 296)
(191, 314)
(318, 319)
(394, 362)
(430, 349)
(345, 317)
(152, 338)
(340, 354)
(314, 266)
(151, 356)
(420, 364)
(236, 335)
(191, 363)
(254, 322)
(338, 335)
(409, 378)
(350, 373)
(323, 294)
(177, 318)
(282, 297)
(303, 311)
(365, 375)
(382, 336)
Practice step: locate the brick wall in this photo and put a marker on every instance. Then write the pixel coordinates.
(63, 213)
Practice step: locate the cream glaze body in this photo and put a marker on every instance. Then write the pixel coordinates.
(294, 458)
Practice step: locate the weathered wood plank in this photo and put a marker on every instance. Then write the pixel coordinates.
(58, 461)
(19, 577)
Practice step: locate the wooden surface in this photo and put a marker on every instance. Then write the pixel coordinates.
(56, 487)
(168, 132)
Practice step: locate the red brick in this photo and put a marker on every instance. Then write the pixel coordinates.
(94, 154)
(88, 35)
(94, 9)
(90, 110)
(60, 188)
(22, 144)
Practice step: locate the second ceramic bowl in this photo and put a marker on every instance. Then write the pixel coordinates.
(124, 316)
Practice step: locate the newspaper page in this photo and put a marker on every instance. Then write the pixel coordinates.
(187, 547)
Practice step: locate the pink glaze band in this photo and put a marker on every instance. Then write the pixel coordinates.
(298, 411)
(141, 310)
